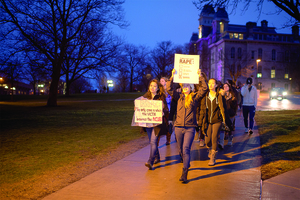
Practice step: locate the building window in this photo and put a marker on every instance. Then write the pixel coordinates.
(287, 56)
(236, 35)
(241, 36)
(273, 54)
(232, 52)
(221, 27)
(259, 72)
(230, 35)
(286, 86)
(260, 53)
(232, 69)
(286, 73)
(273, 72)
(252, 54)
(259, 86)
(272, 85)
(239, 53)
(239, 69)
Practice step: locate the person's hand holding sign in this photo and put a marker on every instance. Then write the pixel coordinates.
(199, 72)
(173, 72)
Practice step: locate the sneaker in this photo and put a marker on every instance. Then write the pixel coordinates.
(221, 146)
(250, 131)
(149, 165)
(202, 143)
(230, 140)
(246, 130)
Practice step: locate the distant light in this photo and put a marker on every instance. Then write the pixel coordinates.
(109, 81)
(6, 87)
(13, 88)
(110, 85)
(290, 79)
(258, 60)
(284, 93)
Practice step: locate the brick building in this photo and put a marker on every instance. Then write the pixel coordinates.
(229, 51)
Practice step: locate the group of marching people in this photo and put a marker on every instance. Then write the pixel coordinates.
(206, 108)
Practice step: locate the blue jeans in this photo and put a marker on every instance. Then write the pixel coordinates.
(249, 111)
(154, 153)
(185, 137)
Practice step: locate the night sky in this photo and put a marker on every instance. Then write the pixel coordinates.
(153, 21)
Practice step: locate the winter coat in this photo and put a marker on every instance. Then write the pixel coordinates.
(249, 97)
(186, 117)
(231, 105)
(215, 111)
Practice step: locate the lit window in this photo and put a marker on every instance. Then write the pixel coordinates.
(236, 35)
(230, 35)
(241, 36)
(273, 72)
(286, 73)
(259, 75)
(259, 72)
(221, 27)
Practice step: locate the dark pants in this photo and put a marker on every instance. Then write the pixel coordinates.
(249, 112)
(212, 134)
(185, 137)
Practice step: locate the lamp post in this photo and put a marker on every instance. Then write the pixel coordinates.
(257, 61)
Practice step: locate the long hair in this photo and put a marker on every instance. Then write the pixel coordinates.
(188, 99)
(160, 90)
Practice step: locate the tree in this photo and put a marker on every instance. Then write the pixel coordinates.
(80, 85)
(132, 61)
(50, 27)
(163, 59)
(292, 8)
(12, 70)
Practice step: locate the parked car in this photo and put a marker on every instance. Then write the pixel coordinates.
(278, 93)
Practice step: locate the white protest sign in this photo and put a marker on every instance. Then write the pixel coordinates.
(186, 67)
(148, 111)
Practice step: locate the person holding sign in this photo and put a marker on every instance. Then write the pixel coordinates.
(156, 92)
(214, 117)
(186, 121)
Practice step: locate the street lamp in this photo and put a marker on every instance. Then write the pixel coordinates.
(258, 74)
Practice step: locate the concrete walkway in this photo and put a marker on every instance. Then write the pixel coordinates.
(235, 176)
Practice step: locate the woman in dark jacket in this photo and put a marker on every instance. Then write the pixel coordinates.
(186, 121)
(215, 115)
(231, 108)
(156, 92)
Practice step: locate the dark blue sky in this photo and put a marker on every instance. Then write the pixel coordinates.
(153, 21)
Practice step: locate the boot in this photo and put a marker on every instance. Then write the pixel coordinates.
(221, 141)
(212, 160)
(209, 152)
(183, 177)
(168, 138)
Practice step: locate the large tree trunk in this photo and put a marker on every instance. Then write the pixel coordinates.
(52, 99)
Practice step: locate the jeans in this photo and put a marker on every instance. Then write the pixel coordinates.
(249, 111)
(154, 153)
(212, 134)
(185, 137)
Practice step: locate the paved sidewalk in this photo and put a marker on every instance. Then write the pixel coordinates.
(235, 176)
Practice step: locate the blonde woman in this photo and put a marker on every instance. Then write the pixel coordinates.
(186, 121)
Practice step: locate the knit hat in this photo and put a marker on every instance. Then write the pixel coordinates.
(249, 81)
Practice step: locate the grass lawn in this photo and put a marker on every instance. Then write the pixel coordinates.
(280, 141)
(37, 140)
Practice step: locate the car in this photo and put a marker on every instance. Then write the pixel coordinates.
(278, 93)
